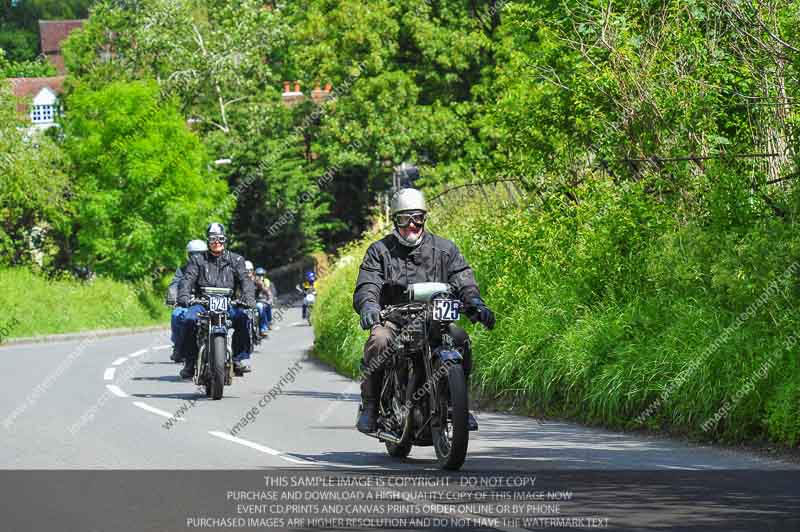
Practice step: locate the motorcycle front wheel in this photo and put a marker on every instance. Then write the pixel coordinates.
(450, 432)
(217, 360)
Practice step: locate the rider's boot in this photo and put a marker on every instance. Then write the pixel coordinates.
(188, 369)
(176, 355)
(368, 415)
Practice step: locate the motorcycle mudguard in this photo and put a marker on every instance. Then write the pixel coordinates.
(453, 356)
(219, 330)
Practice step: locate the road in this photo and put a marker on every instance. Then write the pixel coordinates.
(117, 403)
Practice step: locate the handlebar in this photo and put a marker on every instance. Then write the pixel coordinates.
(409, 307)
(204, 301)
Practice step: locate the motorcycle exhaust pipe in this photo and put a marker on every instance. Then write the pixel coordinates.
(388, 436)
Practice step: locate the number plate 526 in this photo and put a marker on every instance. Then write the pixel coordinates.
(446, 310)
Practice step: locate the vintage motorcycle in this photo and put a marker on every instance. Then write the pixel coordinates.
(423, 394)
(214, 367)
(255, 329)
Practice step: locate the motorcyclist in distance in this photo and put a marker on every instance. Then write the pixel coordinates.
(308, 287)
(264, 301)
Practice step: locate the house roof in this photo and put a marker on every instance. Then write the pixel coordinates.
(52, 32)
(30, 87)
(26, 89)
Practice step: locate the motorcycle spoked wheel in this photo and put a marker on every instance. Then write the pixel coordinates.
(403, 422)
(216, 380)
(449, 431)
(200, 373)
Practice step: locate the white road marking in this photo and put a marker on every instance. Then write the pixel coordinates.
(140, 352)
(257, 447)
(119, 361)
(678, 467)
(160, 347)
(116, 390)
(109, 374)
(145, 406)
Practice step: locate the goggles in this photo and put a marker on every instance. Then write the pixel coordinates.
(216, 238)
(405, 219)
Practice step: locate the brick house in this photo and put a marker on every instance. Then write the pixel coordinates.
(38, 99)
(51, 34)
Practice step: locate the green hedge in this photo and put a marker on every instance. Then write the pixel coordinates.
(38, 305)
(612, 307)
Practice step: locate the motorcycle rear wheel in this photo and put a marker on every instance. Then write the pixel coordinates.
(450, 432)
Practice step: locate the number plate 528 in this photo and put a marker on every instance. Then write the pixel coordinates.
(446, 310)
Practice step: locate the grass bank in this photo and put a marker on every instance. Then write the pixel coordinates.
(614, 310)
(36, 305)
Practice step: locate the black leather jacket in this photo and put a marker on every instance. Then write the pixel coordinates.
(225, 271)
(389, 267)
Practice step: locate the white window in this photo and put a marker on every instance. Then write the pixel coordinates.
(42, 114)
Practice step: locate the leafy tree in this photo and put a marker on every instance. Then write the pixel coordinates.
(25, 69)
(18, 44)
(142, 187)
(33, 188)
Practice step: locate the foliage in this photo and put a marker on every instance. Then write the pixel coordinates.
(142, 183)
(25, 69)
(33, 189)
(18, 44)
(33, 296)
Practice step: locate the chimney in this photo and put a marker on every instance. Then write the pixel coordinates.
(318, 95)
(292, 98)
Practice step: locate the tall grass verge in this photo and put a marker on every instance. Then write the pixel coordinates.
(614, 304)
(40, 305)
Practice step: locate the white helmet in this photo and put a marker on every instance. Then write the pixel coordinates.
(248, 266)
(408, 199)
(196, 246)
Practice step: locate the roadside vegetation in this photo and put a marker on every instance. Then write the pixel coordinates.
(605, 304)
(38, 305)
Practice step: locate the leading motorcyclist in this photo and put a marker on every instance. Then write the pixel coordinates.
(408, 255)
(218, 268)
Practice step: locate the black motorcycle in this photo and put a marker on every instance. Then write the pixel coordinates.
(214, 367)
(423, 395)
(255, 328)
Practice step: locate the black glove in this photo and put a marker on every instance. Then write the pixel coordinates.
(183, 302)
(370, 315)
(480, 312)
